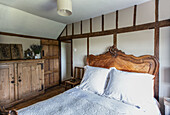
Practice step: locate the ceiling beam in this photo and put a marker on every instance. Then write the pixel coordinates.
(24, 36)
(151, 25)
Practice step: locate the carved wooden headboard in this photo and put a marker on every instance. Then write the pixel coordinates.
(117, 58)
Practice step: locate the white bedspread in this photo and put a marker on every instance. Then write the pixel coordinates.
(79, 102)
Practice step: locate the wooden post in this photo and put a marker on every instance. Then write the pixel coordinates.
(81, 28)
(134, 16)
(87, 46)
(90, 25)
(156, 44)
(102, 22)
(66, 30)
(60, 62)
(72, 58)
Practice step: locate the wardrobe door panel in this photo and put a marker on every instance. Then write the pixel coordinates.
(7, 82)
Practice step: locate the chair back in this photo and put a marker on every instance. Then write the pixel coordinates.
(78, 72)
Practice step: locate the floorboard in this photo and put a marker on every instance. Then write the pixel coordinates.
(48, 94)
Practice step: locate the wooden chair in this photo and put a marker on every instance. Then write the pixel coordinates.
(76, 79)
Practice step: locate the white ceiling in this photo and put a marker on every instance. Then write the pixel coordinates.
(82, 9)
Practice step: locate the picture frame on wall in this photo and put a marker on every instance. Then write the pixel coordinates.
(11, 51)
(5, 52)
(16, 51)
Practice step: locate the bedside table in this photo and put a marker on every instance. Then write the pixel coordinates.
(167, 105)
(73, 82)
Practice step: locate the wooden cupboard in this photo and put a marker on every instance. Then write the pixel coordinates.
(20, 80)
(50, 52)
(7, 87)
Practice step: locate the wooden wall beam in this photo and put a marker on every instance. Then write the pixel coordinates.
(156, 10)
(102, 22)
(115, 40)
(156, 49)
(25, 36)
(72, 58)
(156, 45)
(115, 33)
(66, 30)
(90, 25)
(117, 16)
(72, 29)
(81, 27)
(60, 62)
(152, 25)
(134, 16)
(87, 46)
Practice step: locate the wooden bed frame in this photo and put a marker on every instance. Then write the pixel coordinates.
(117, 58)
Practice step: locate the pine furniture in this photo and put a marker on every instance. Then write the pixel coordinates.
(20, 80)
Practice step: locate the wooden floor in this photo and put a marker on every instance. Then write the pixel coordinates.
(48, 94)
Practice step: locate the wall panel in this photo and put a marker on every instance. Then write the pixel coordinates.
(110, 21)
(146, 12)
(165, 62)
(98, 45)
(86, 26)
(64, 33)
(97, 24)
(69, 29)
(125, 17)
(164, 10)
(77, 28)
(79, 51)
(137, 43)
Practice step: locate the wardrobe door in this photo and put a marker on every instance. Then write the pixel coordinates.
(50, 52)
(7, 81)
(24, 79)
(30, 79)
(37, 77)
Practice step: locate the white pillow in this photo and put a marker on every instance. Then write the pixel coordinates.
(129, 87)
(94, 79)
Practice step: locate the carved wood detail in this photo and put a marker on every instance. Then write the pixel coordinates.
(117, 58)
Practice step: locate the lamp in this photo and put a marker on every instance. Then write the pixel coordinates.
(64, 7)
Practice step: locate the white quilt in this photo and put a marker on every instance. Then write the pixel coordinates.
(79, 102)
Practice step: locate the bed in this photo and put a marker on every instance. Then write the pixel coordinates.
(78, 101)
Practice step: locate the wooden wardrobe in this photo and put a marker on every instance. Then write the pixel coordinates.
(50, 53)
(24, 79)
(20, 80)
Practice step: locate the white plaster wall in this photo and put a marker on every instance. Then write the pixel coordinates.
(77, 28)
(99, 45)
(137, 43)
(125, 17)
(97, 24)
(69, 27)
(64, 32)
(26, 42)
(110, 21)
(79, 52)
(146, 12)
(65, 61)
(86, 26)
(164, 12)
(164, 64)
(16, 21)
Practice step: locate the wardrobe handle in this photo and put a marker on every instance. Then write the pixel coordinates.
(19, 80)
